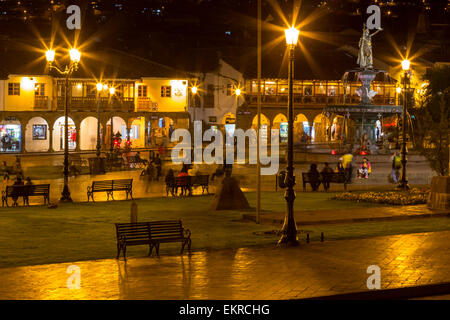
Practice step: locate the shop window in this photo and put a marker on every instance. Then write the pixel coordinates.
(39, 132)
(142, 91)
(14, 89)
(39, 89)
(166, 91)
(10, 137)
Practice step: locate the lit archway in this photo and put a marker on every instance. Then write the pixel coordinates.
(58, 134)
(119, 126)
(301, 128)
(88, 134)
(321, 125)
(37, 135)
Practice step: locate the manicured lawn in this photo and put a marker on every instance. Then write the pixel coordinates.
(82, 231)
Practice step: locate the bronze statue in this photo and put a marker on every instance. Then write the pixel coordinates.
(365, 59)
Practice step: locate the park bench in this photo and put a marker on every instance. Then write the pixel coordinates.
(186, 183)
(152, 234)
(76, 163)
(200, 181)
(136, 162)
(168, 231)
(25, 191)
(109, 186)
(333, 177)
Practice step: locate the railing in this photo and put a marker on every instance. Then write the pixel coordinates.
(146, 104)
(317, 99)
(40, 103)
(91, 103)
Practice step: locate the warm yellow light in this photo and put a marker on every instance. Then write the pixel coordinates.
(398, 89)
(194, 89)
(405, 65)
(105, 87)
(79, 86)
(27, 83)
(238, 92)
(75, 55)
(50, 55)
(112, 90)
(291, 36)
(99, 86)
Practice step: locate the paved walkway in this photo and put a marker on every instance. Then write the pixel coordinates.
(310, 270)
(354, 215)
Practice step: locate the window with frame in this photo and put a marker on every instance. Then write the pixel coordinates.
(166, 91)
(91, 90)
(14, 89)
(39, 89)
(229, 89)
(142, 91)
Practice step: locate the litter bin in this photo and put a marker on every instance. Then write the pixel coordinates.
(97, 165)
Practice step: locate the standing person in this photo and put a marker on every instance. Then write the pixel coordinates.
(5, 171)
(396, 166)
(347, 160)
(149, 172)
(170, 182)
(158, 165)
(326, 176)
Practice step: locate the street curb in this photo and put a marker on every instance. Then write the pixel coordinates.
(252, 217)
(392, 294)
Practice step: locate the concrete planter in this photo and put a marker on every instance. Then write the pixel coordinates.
(440, 193)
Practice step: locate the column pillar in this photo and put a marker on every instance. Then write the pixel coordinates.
(78, 130)
(50, 138)
(22, 136)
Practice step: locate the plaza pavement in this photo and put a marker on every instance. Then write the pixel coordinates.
(314, 217)
(310, 270)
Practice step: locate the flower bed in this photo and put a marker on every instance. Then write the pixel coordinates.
(401, 198)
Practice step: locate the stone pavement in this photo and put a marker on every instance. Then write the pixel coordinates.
(313, 217)
(310, 270)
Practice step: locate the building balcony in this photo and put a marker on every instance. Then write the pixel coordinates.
(145, 104)
(90, 104)
(298, 99)
(41, 103)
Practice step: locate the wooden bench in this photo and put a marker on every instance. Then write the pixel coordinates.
(200, 181)
(333, 177)
(109, 186)
(76, 163)
(132, 234)
(186, 183)
(134, 162)
(25, 192)
(168, 231)
(152, 234)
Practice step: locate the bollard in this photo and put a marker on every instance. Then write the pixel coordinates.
(307, 238)
(133, 212)
(321, 237)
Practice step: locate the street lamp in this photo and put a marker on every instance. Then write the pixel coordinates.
(112, 91)
(100, 88)
(75, 56)
(289, 230)
(405, 66)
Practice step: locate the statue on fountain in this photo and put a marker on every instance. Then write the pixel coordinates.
(365, 58)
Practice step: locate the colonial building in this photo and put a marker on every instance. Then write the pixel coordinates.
(150, 101)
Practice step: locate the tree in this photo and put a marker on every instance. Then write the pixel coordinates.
(431, 130)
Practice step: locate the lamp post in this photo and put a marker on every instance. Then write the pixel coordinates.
(100, 87)
(112, 90)
(75, 56)
(405, 66)
(289, 230)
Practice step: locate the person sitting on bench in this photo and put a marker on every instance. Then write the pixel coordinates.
(326, 173)
(314, 177)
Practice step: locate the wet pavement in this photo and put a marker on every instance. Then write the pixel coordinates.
(310, 270)
(354, 215)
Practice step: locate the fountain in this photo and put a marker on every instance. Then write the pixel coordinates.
(365, 114)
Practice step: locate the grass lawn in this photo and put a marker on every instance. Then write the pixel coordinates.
(82, 231)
